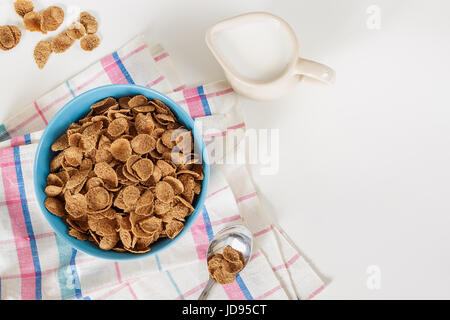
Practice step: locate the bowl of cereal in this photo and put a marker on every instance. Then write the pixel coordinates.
(121, 172)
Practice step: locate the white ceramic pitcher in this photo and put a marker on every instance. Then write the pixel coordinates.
(267, 89)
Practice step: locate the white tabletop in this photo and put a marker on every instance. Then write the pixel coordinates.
(364, 179)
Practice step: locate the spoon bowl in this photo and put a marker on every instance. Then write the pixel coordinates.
(239, 238)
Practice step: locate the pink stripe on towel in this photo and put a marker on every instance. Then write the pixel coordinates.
(200, 237)
(112, 70)
(19, 228)
(194, 103)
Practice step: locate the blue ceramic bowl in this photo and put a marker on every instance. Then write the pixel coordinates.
(76, 109)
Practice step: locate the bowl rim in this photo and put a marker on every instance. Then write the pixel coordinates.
(110, 254)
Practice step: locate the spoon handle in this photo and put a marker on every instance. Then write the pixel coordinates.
(206, 290)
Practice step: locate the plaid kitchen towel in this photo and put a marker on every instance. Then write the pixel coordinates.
(37, 264)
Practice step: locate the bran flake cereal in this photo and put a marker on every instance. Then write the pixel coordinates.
(52, 18)
(23, 7)
(76, 31)
(61, 43)
(9, 37)
(89, 42)
(113, 188)
(32, 21)
(224, 266)
(89, 22)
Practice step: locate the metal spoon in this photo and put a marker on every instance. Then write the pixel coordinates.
(236, 236)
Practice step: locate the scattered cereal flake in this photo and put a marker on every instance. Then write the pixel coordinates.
(22, 7)
(61, 43)
(76, 30)
(42, 52)
(9, 37)
(54, 206)
(121, 149)
(52, 18)
(89, 42)
(32, 21)
(89, 22)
